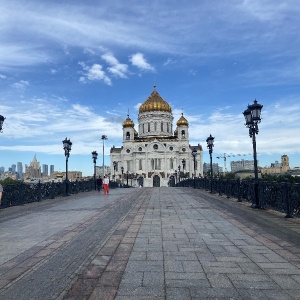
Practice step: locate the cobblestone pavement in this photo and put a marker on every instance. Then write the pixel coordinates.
(148, 243)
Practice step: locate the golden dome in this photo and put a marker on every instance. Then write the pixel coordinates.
(182, 121)
(128, 123)
(155, 103)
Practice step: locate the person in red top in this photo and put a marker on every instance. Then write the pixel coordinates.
(105, 185)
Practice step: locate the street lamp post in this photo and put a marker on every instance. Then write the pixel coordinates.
(252, 118)
(122, 170)
(115, 165)
(210, 145)
(1, 122)
(178, 173)
(127, 177)
(176, 176)
(194, 154)
(103, 138)
(95, 155)
(67, 144)
(183, 167)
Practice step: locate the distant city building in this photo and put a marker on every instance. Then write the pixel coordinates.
(99, 171)
(278, 168)
(45, 170)
(34, 170)
(2, 170)
(242, 165)
(13, 168)
(20, 170)
(215, 167)
(51, 169)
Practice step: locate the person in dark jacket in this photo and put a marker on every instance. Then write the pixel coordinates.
(99, 183)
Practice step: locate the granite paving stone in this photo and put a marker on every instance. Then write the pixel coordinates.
(148, 243)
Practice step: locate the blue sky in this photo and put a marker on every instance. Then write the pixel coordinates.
(75, 68)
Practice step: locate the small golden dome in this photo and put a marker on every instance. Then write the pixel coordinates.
(128, 123)
(155, 103)
(182, 121)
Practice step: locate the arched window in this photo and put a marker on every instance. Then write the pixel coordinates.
(148, 127)
(155, 126)
(161, 126)
(140, 165)
(183, 133)
(127, 135)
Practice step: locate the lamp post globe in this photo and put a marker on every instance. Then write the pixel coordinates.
(1, 122)
(194, 154)
(210, 145)
(252, 118)
(95, 156)
(67, 145)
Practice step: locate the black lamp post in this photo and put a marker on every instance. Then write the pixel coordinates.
(67, 144)
(1, 122)
(178, 173)
(210, 145)
(95, 156)
(194, 154)
(127, 177)
(122, 170)
(252, 118)
(115, 165)
(103, 138)
(183, 167)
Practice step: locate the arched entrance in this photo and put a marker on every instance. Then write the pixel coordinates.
(156, 181)
(141, 181)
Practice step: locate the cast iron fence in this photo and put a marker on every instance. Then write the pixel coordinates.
(19, 194)
(281, 196)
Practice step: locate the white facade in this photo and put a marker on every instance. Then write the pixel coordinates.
(155, 155)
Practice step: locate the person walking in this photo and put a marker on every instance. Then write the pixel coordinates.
(105, 185)
(99, 183)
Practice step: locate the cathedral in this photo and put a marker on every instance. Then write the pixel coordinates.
(155, 155)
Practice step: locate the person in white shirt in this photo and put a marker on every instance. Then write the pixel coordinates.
(105, 185)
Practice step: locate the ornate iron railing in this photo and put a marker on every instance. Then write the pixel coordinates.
(281, 196)
(19, 194)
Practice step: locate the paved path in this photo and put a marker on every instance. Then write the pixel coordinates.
(147, 243)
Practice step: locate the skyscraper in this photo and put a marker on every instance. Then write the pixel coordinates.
(19, 170)
(45, 170)
(51, 169)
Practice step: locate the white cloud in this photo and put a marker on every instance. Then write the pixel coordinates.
(116, 68)
(140, 62)
(21, 85)
(94, 73)
(2, 76)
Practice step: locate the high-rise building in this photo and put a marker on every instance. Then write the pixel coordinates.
(242, 165)
(215, 168)
(51, 169)
(34, 170)
(45, 170)
(13, 168)
(2, 169)
(20, 170)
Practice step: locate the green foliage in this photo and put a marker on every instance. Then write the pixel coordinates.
(9, 181)
(281, 178)
(228, 175)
